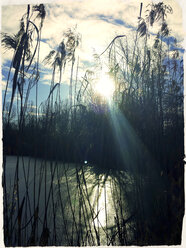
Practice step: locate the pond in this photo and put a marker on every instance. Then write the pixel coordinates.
(55, 203)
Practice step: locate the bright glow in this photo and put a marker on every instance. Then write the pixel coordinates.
(101, 218)
(104, 200)
(105, 86)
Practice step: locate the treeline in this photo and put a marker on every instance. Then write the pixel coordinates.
(87, 135)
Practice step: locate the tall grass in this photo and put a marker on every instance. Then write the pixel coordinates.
(129, 186)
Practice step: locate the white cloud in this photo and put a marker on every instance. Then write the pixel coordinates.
(44, 51)
(3, 86)
(47, 77)
(97, 21)
(6, 55)
(11, 16)
(87, 15)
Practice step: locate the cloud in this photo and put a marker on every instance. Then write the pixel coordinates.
(98, 21)
(46, 79)
(44, 51)
(11, 18)
(3, 86)
(6, 55)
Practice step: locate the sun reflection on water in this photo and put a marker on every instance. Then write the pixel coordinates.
(102, 202)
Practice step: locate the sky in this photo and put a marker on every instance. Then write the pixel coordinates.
(98, 22)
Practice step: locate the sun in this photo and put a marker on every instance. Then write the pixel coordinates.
(105, 86)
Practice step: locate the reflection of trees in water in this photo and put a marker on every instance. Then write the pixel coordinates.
(75, 205)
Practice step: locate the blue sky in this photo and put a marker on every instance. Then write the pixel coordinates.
(98, 22)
